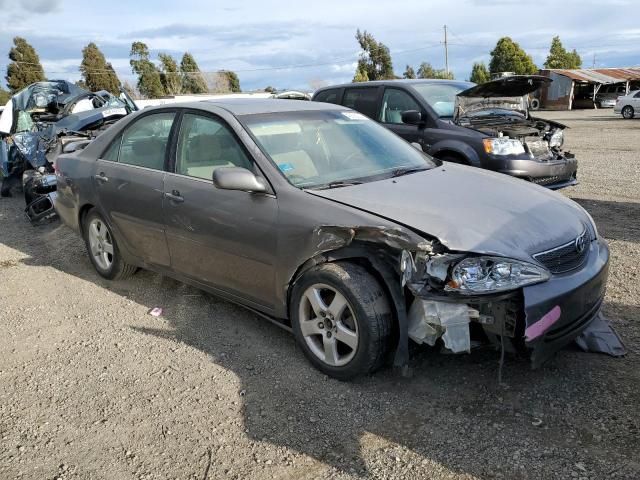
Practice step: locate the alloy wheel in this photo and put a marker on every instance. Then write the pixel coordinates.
(328, 325)
(101, 244)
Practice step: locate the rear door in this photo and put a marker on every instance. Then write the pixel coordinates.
(129, 181)
(221, 238)
(394, 102)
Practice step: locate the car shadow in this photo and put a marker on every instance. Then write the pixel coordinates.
(615, 220)
(452, 413)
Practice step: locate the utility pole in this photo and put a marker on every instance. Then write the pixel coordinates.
(446, 51)
(594, 61)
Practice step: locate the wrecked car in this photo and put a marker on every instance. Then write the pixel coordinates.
(486, 126)
(324, 222)
(41, 121)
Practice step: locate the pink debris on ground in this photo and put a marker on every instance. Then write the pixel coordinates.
(155, 312)
(542, 325)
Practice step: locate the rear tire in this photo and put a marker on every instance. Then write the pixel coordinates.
(628, 112)
(102, 248)
(341, 319)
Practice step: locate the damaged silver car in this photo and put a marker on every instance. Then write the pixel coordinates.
(326, 223)
(41, 121)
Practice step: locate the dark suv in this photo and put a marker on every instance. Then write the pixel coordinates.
(486, 126)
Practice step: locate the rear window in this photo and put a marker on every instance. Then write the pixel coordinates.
(363, 100)
(328, 96)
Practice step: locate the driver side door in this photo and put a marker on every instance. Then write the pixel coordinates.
(224, 239)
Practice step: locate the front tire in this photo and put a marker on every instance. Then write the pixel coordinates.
(628, 112)
(103, 249)
(341, 319)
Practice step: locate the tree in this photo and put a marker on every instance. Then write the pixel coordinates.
(25, 67)
(409, 72)
(361, 74)
(149, 83)
(97, 74)
(479, 73)
(170, 74)
(427, 71)
(270, 89)
(375, 59)
(192, 79)
(507, 56)
(559, 58)
(4, 97)
(234, 81)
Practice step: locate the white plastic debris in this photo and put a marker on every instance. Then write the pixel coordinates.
(155, 312)
(430, 320)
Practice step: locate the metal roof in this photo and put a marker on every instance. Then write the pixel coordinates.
(599, 75)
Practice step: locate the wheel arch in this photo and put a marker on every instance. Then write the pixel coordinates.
(456, 148)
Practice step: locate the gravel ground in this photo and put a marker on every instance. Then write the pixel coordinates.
(93, 387)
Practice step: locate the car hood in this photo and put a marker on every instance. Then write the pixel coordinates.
(470, 210)
(507, 93)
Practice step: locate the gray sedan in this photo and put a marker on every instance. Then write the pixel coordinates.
(325, 222)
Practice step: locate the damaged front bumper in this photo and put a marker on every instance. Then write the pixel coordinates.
(560, 309)
(539, 319)
(553, 174)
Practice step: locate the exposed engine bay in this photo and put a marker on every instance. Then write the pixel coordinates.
(500, 109)
(42, 121)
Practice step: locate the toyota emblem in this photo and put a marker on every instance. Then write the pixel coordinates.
(581, 243)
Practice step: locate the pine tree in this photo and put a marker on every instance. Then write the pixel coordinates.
(149, 83)
(409, 72)
(479, 73)
(4, 97)
(192, 79)
(234, 81)
(170, 74)
(97, 74)
(507, 56)
(375, 59)
(559, 58)
(25, 67)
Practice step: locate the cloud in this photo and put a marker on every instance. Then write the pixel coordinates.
(37, 6)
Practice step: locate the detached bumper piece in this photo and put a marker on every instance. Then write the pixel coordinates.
(40, 192)
(600, 337)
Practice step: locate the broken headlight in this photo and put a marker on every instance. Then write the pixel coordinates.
(557, 139)
(479, 275)
(503, 146)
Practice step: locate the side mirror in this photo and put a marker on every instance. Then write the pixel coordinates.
(236, 178)
(412, 117)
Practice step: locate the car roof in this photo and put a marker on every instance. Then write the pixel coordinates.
(250, 106)
(398, 81)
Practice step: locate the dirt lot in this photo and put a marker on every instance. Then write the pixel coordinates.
(93, 387)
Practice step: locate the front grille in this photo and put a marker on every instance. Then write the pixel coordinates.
(566, 257)
(546, 180)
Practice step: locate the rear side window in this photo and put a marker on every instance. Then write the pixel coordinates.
(363, 100)
(637, 95)
(144, 143)
(328, 96)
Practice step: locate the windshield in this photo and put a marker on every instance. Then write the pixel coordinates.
(326, 148)
(441, 96)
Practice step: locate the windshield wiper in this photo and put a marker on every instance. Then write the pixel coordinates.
(398, 172)
(337, 184)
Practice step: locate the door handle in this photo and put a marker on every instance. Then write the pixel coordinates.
(174, 196)
(101, 177)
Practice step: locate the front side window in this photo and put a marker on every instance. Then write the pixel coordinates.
(205, 144)
(144, 143)
(394, 103)
(363, 100)
(315, 149)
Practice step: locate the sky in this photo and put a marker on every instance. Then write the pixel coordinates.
(275, 43)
